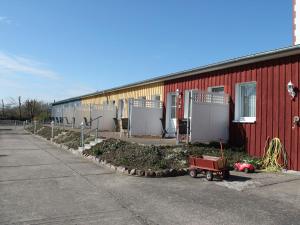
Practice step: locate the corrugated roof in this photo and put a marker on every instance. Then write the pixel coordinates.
(258, 57)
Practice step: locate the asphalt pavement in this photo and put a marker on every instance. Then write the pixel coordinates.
(42, 184)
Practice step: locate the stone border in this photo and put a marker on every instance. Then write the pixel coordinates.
(136, 172)
(120, 169)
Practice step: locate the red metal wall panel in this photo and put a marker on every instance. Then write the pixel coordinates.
(274, 108)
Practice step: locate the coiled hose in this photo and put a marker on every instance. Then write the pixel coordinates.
(275, 157)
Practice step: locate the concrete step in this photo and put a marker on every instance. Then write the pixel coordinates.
(98, 140)
(87, 146)
(92, 143)
(80, 149)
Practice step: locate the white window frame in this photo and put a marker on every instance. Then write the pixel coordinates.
(237, 111)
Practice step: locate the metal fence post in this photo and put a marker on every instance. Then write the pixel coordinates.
(130, 105)
(90, 112)
(188, 118)
(97, 128)
(34, 130)
(82, 134)
(52, 129)
(73, 118)
(177, 117)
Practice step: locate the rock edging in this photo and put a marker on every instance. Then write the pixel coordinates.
(120, 169)
(136, 172)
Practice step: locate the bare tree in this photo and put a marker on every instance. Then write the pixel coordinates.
(30, 107)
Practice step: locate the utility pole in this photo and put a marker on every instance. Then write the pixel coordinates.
(20, 110)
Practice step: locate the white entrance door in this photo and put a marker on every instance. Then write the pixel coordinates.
(171, 115)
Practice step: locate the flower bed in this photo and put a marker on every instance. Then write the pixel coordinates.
(71, 139)
(46, 132)
(159, 160)
(30, 128)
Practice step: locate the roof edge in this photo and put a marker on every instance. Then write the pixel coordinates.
(234, 62)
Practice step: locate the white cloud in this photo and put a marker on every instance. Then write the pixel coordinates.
(21, 65)
(5, 20)
(14, 86)
(23, 76)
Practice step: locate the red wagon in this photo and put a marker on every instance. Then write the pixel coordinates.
(208, 165)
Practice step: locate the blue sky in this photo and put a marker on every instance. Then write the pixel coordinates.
(55, 49)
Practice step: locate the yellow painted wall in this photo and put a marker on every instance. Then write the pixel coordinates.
(136, 92)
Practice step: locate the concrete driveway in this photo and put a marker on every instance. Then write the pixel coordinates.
(41, 184)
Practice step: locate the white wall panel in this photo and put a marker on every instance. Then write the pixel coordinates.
(209, 122)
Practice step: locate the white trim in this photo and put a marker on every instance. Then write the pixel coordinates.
(245, 120)
(186, 101)
(168, 115)
(237, 108)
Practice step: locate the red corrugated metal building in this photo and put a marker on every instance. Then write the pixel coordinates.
(273, 109)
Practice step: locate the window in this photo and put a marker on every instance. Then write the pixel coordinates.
(245, 108)
(216, 96)
(217, 89)
(156, 98)
(173, 106)
(143, 103)
(130, 100)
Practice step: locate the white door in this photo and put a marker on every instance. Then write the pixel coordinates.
(171, 115)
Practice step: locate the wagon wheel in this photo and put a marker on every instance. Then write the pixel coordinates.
(225, 174)
(193, 173)
(209, 176)
(246, 170)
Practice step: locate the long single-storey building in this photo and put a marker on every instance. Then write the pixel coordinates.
(263, 97)
(120, 96)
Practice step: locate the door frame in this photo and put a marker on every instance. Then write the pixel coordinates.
(168, 114)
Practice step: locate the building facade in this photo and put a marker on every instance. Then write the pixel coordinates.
(260, 104)
(264, 98)
(120, 96)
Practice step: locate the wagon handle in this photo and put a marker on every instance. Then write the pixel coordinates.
(222, 151)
